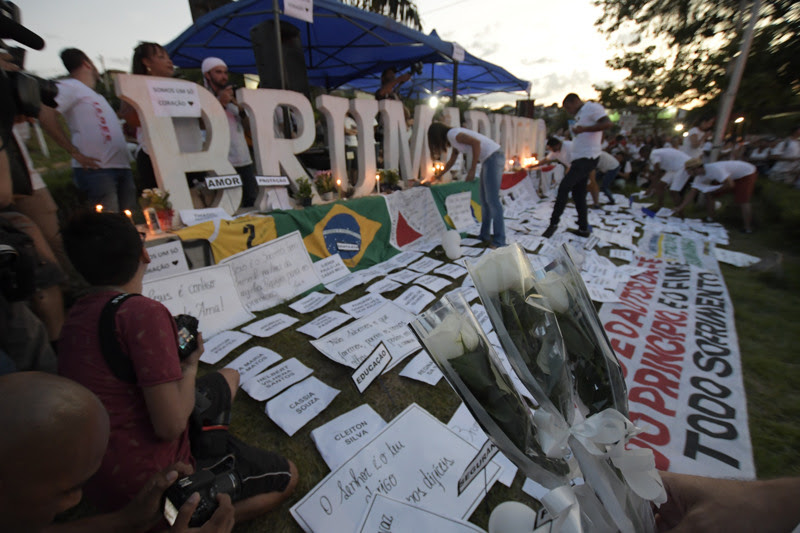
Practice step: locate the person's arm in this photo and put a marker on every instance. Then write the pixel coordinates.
(170, 404)
(49, 121)
(447, 166)
(388, 88)
(601, 125)
(475, 144)
(728, 506)
(690, 196)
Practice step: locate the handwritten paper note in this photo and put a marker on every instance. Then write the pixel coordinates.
(253, 362)
(422, 368)
(190, 217)
(221, 345)
(274, 380)
(414, 299)
(331, 268)
(338, 440)
(459, 209)
(165, 260)
(269, 326)
(324, 323)
(386, 514)
(312, 302)
(273, 272)
(364, 305)
(415, 459)
(351, 344)
(294, 408)
(208, 294)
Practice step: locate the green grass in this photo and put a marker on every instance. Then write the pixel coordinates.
(766, 308)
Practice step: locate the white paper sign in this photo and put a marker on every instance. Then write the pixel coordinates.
(386, 514)
(273, 272)
(426, 264)
(451, 270)
(331, 268)
(364, 305)
(208, 294)
(433, 283)
(272, 181)
(221, 345)
(342, 285)
(371, 367)
(414, 299)
(274, 380)
(267, 327)
(625, 255)
(352, 343)
(312, 302)
(297, 406)
(165, 260)
(459, 208)
(253, 361)
(734, 258)
(190, 217)
(458, 52)
(339, 439)
(223, 182)
(422, 368)
(324, 323)
(384, 285)
(404, 276)
(418, 209)
(174, 98)
(299, 9)
(415, 459)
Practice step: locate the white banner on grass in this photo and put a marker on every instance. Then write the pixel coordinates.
(273, 272)
(689, 250)
(386, 514)
(674, 333)
(208, 294)
(414, 459)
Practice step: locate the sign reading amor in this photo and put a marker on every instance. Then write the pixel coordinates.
(674, 334)
(414, 459)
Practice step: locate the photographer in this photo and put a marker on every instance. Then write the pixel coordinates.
(56, 432)
(126, 351)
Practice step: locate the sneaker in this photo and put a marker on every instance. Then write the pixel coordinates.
(551, 229)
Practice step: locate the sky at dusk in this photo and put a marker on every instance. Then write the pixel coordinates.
(552, 44)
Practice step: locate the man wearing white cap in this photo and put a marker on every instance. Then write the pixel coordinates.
(715, 179)
(215, 79)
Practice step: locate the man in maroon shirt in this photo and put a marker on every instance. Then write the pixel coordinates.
(149, 415)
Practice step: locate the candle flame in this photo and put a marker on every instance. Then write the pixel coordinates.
(98, 208)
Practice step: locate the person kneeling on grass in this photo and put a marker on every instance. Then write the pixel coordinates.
(716, 179)
(126, 352)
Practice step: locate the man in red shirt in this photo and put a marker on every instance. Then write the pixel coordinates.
(150, 412)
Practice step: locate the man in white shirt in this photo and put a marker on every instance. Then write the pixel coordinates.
(215, 79)
(668, 171)
(787, 168)
(100, 164)
(587, 134)
(716, 179)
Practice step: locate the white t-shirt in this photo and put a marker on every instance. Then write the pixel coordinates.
(607, 162)
(488, 146)
(350, 124)
(790, 148)
(759, 154)
(668, 159)
(686, 147)
(95, 128)
(239, 153)
(564, 155)
(588, 144)
(718, 172)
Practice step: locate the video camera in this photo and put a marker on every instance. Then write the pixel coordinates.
(20, 92)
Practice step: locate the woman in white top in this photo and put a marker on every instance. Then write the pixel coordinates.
(697, 137)
(492, 159)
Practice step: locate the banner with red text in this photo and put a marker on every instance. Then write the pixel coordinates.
(674, 334)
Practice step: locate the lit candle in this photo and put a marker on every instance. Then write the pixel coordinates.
(129, 215)
(378, 182)
(98, 208)
(339, 187)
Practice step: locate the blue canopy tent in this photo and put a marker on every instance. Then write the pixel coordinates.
(345, 46)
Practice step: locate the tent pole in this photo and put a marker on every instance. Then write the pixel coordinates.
(455, 84)
(276, 14)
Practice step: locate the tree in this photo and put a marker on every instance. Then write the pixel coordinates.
(700, 38)
(404, 11)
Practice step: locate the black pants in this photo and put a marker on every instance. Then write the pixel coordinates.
(575, 182)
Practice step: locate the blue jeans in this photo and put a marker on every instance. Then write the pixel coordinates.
(606, 179)
(491, 207)
(113, 188)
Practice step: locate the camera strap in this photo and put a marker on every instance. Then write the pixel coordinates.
(120, 364)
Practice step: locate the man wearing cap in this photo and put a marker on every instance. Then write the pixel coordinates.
(215, 79)
(715, 179)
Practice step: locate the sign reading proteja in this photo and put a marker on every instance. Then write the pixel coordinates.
(223, 182)
(272, 181)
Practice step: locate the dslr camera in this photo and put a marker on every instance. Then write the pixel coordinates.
(221, 479)
(187, 335)
(21, 92)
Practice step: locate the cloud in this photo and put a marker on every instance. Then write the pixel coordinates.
(537, 61)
